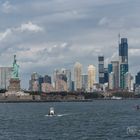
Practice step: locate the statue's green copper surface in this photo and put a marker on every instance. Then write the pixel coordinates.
(15, 73)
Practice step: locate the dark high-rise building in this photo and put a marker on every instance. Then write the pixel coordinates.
(47, 79)
(40, 81)
(123, 51)
(123, 60)
(106, 75)
(137, 83)
(72, 85)
(110, 76)
(84, 82)
(63, 77)
(109, 68)
(101, 69)
(123, 71)
(137, 79)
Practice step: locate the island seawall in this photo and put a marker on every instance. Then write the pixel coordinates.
(39, 98)
(59, 97)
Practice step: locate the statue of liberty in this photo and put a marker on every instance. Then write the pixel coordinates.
(15, 70)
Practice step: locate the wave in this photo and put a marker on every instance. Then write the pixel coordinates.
(56, 115)
(133, 130)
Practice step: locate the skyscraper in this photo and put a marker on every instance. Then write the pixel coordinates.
(47, 79)
(101, 69)
(115, 70)
(137, 78)
(77, 76)
(40, 81)
(111, 80)
(60, 80)
(128, 79)
(46, 86)
(109, 68)
(5, 75)
(123, 61)
(137, 83)
(33, 83)
(91, 77)
(106, 75)
(84, 82)
(123, 71)
(110, 77)
(123, 51)
(67, 72)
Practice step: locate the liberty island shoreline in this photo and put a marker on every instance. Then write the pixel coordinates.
(63, 97)
(48, 101)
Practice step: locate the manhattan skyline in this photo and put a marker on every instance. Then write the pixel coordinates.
(48, 35)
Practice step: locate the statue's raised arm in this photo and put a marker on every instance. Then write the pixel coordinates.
(15, 73)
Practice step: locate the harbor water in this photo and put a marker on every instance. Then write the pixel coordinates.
(96, 120)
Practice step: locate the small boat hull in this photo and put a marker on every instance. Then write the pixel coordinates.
(51, 112)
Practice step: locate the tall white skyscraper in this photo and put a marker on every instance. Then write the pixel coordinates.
(5, 75)
(115, 70)
(91, 77)
(128, 79)
(77, 76)
(111, 80)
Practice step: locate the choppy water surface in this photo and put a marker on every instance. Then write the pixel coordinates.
(97, 120)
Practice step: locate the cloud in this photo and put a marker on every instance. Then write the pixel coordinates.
(76, 31)
(134, 52)
(7, 7)
(104, 21)
(30, 27)
(5, 34)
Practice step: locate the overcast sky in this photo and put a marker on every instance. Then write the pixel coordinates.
(50, 34)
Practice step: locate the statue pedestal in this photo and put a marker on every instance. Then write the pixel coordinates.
(14, 85)
(14, 92)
